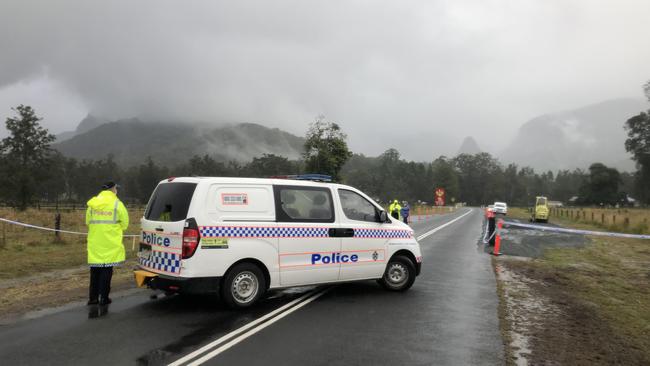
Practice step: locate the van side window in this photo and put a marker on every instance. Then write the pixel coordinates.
(303, 204)
(355, 207)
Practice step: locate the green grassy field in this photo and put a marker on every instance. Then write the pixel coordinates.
(610, 276)
(28, 251)
(625, 220)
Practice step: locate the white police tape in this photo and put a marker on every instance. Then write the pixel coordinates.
(49, 229)
(576, 231)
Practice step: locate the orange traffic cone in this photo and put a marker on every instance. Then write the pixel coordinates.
(497, 239)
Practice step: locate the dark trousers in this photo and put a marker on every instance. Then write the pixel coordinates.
(491, 228)
(406, 219)
(100, 282)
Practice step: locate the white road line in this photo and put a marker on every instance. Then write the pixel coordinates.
(246, 327)
(431, 232)
(254, 330)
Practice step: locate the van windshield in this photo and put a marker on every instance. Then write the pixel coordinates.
(170, 202)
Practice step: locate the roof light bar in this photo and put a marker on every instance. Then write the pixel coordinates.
(312, 177)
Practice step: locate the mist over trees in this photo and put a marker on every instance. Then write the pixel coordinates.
(34, 173)
(638, 144)
(326, 150)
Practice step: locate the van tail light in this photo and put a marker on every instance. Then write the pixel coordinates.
(190, 238)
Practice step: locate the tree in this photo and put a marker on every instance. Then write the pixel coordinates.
(480, 178)
(88, 176)
(638, 144)
(25, 156)
(326, 150)
(205, 166)
(268, 165)
(147, 177)
(567, 184)
(444, 176)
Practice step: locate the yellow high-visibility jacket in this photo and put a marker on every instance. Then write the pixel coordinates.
(106, 218)
(394, 207)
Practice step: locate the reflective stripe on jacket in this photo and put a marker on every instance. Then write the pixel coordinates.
(106, 218)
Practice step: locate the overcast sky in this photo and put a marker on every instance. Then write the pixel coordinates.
(418, 76)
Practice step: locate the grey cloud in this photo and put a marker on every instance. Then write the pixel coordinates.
(418, 76)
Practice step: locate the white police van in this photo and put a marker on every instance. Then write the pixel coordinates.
(242, 236)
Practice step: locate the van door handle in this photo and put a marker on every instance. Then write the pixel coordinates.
(160, 229)
(341, 232)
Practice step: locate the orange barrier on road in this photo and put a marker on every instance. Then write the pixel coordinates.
(497, 239)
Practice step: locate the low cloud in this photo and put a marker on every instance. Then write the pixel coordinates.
(418, 76)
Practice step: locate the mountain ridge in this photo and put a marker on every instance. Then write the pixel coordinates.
(576, 138)
(130, 141)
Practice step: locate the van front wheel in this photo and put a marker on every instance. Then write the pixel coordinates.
(399, 274)
(243, 285)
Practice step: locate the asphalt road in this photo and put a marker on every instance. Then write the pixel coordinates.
(449, 317)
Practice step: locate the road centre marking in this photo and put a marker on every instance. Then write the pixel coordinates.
(431, 232)
(257, 326)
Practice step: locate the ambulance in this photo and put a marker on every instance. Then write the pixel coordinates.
(240, 237)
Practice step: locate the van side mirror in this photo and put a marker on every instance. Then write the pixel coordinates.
(383, 216)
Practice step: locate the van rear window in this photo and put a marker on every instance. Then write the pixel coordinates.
(170, 202)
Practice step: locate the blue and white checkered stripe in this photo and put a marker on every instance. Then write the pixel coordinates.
(382, 234)
(293, 232)
(163, 261)
(262, 232)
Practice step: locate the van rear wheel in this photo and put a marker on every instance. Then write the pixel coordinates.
(399, 274)
(243, 285)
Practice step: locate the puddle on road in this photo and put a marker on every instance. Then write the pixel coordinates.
(525, 309)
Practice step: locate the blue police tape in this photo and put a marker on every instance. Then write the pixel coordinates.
(576, 231)
(49, 229)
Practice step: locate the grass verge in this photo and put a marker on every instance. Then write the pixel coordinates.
(603, 293)
(28, 251)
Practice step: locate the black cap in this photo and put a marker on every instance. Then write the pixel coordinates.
(109, 185)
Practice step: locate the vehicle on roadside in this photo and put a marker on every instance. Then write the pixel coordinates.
(500, 208)
(541, 210)
(240, 237)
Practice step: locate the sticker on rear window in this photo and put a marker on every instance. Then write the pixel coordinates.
(234, 199)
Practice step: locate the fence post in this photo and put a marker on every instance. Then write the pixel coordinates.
(626, 222)
(592, 216)
(602, 218)
(57, 226)
(4, 234)
(614, 220)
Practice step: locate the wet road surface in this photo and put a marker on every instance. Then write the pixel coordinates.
(449, 317)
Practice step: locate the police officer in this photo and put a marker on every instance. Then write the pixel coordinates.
(394, 209)
(106, 218)
(405, 212)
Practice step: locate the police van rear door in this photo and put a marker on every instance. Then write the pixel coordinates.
(163, 225)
